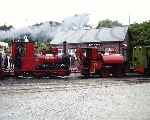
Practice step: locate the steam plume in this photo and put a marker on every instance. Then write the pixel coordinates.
(46, 30)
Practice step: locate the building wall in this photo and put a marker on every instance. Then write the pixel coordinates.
(115, 47)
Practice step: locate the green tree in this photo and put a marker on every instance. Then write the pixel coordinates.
(5, 27)
(139, 34)
(108, 23)
(43, 45)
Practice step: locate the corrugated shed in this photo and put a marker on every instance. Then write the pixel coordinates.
(92, 35)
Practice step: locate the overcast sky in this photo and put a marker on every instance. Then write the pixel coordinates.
(20, 13)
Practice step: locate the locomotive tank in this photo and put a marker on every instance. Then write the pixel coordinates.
(114, 59)
(114, 64)
(49, 59)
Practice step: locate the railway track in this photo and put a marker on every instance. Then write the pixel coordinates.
(30, 86)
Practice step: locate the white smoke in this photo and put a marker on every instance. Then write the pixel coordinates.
(74, 23)
(46, 30)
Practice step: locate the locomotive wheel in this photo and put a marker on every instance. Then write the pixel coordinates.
(40, 74)
(86, 73)
(1, 74)
(27, 74)
(37, 76)
(118, 71)
(105, 73)
(16, 74)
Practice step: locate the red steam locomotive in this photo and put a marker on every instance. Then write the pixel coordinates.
(28, 63)
(93, 62)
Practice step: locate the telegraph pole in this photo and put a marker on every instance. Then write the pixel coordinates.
(129, 20)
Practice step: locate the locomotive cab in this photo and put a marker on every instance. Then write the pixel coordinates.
(90, 61)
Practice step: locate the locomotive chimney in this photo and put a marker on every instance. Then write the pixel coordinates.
(64, 48)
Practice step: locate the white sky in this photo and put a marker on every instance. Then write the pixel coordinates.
(20, 13)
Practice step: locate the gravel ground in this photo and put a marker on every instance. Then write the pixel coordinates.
(92, 99)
